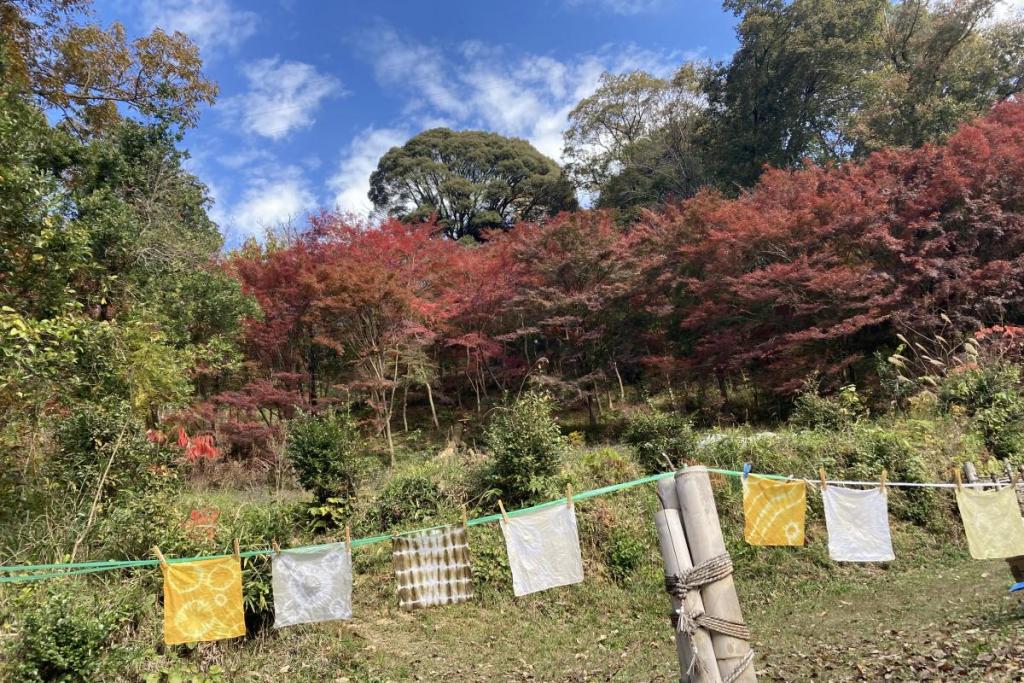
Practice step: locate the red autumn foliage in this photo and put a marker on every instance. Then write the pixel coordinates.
(811, 271)
(201, 448)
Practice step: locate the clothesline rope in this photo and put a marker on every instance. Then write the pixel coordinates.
(57, 570)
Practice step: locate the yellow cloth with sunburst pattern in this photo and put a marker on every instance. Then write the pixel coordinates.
(203, 600)
(774, 511)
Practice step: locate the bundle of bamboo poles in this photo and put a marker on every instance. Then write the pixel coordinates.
(689, 534)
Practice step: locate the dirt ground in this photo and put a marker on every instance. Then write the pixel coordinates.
(958, 623)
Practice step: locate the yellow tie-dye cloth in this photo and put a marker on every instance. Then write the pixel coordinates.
(203, 600)
(773, 511)
(992, 522)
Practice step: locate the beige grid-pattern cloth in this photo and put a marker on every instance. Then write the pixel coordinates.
(432, 567)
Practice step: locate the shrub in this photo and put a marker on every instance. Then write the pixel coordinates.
(407, 498)
(976, 385)
(526, 444)
(489, 557)
(60, 639)
(991, 393)
(323, 449)
(86, 439)
(257, 593)
(625, 552)
(814, 411)
(137, 518)
(654, 433)
(606, 466)
(1001, 424)
(876, 448)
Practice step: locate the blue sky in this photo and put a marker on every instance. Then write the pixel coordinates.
(312, 93)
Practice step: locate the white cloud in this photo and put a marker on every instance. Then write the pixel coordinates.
(282, 97)
(480, 86)
(211, 24)
(352, 181)
(270, 197)
(621, 7)
(419, 70)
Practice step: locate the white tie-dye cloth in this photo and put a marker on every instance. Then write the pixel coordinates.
(543, 549)
(858, 524)
(312, 585)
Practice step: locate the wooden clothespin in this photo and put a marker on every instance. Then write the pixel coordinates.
(465, 518)
(238, 553)
(159, 556)
(568, 495)
(504, 515)
(959, 480)
(348, 537)
(821, 474)
(275, 546)
(885, 476)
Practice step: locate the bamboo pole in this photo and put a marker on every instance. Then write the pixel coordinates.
(704, 538)
(970, 473)
(667, 494)
(677, 559)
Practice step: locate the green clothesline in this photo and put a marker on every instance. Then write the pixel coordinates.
(53, 571)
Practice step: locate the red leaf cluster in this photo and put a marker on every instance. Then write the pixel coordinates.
(811, 271)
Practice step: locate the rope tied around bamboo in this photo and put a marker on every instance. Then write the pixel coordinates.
(678, 585)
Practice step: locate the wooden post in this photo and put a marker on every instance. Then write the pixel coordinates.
(970, 473)
(704, 538)
(677, 559)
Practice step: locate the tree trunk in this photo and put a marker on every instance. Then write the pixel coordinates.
(405, 406)
(312, 357)
(622, 388)
(433, 410)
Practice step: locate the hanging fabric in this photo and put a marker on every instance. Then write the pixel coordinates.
(203, 600)
(992, 522)
(774, 511)
(312, 585)
(543, 549)
(858, 524)
(432, 567)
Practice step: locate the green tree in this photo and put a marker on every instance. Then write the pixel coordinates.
(784, 94)
(634, 142)
(109, 285)
(834, 79)
(938, 64)
(471, 180)
(89, 73)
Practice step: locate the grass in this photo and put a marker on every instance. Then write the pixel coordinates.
(812, 619)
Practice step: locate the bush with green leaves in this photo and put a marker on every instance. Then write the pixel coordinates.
(92, 435)
(624, 553)
(655, 434)
(135, 519)
(324, 450)
(839, 411)
(1001, 425)
(527, 446)
(990, 392)
(60, 637)
(409, 497)
(606, 466)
